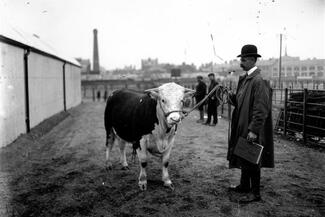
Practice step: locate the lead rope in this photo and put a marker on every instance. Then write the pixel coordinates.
(221, 100)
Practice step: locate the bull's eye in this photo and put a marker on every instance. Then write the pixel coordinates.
(163, 101)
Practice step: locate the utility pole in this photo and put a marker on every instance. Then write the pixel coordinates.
(280, 64)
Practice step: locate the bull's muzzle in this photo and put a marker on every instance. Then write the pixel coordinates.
(174, 118)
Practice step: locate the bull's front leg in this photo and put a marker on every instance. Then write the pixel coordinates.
(165, 174)
(142, 155)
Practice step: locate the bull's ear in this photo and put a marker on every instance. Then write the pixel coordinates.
(188, 92)
(154, 92)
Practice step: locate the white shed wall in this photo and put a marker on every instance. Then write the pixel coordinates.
(12, 93)
(45, 79)
(73, 85)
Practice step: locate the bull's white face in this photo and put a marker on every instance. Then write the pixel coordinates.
(170, 100)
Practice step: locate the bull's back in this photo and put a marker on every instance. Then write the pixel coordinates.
(132, 114)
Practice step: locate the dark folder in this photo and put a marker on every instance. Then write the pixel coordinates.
(249, 151)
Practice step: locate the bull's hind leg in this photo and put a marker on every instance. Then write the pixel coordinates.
(109, 146)
(123, 160)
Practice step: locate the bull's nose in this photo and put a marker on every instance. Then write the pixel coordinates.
(175, 118)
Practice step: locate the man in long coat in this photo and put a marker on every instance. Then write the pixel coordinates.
(201, 90)
(251, 119)
(213, 102)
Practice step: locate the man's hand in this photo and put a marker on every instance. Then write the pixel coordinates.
(251, 136)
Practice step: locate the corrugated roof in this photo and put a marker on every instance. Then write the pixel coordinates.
(33, 41)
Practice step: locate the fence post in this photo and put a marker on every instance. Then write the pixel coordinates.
(222, 103)
(281, 91)
(285, 112)
(304, 114)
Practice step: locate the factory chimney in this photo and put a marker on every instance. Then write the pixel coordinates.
(95, 54)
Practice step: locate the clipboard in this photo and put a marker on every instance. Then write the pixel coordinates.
(250, 151)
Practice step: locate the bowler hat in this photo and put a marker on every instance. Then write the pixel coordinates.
(211, 74)
(249, 50)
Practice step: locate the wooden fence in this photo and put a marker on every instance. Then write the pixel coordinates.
(301, 114)
(298, 114)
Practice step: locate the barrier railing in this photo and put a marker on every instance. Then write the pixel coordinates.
(298, 114)
(301, 114)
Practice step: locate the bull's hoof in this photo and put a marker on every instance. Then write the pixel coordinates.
(126, 168)
(170, 186)
(143, 185)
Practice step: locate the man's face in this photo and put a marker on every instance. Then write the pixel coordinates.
(211, 78)
(246, 63)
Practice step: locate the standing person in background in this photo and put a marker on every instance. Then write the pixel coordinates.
(252, 120)
(201, 89)
(213, 102)
(105, 95)
(98, 95)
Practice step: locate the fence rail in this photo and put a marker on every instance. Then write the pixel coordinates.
(298, 114)
(301, 114)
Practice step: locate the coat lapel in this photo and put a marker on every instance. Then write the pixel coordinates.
(242, 96)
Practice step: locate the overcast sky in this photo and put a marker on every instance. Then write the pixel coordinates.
(173, 31)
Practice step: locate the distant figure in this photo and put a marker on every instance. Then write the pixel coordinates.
(105, 95)
(98, 95)
(201, 90)
(213, 102)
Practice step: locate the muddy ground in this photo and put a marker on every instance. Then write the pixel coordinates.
(62, 173)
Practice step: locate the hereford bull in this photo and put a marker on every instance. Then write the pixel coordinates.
(149, 121)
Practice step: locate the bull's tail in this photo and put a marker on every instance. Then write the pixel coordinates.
(109, 132)
(108, 119)
(108, 123)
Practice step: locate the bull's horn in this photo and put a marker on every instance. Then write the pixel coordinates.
(187, 90)
(151, 90)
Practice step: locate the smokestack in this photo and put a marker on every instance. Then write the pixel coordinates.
(95, 54)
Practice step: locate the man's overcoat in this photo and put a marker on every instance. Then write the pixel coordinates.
(253, 112)
(201, 91)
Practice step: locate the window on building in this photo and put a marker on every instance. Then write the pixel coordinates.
(289, 69)
(282, 68)
(320, 74)
(311, 73)
(289, 74)
(275, 69)
(311, 67)
(320, 68)
(304, 74)
(275, 74)
(304, 68)
(296, 68)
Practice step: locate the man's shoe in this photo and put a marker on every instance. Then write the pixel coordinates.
(238, 189)
(199, 121)
(213, 125)
(249, 198)
(206, 123)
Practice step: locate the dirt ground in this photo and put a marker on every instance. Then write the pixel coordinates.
(62, 173)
